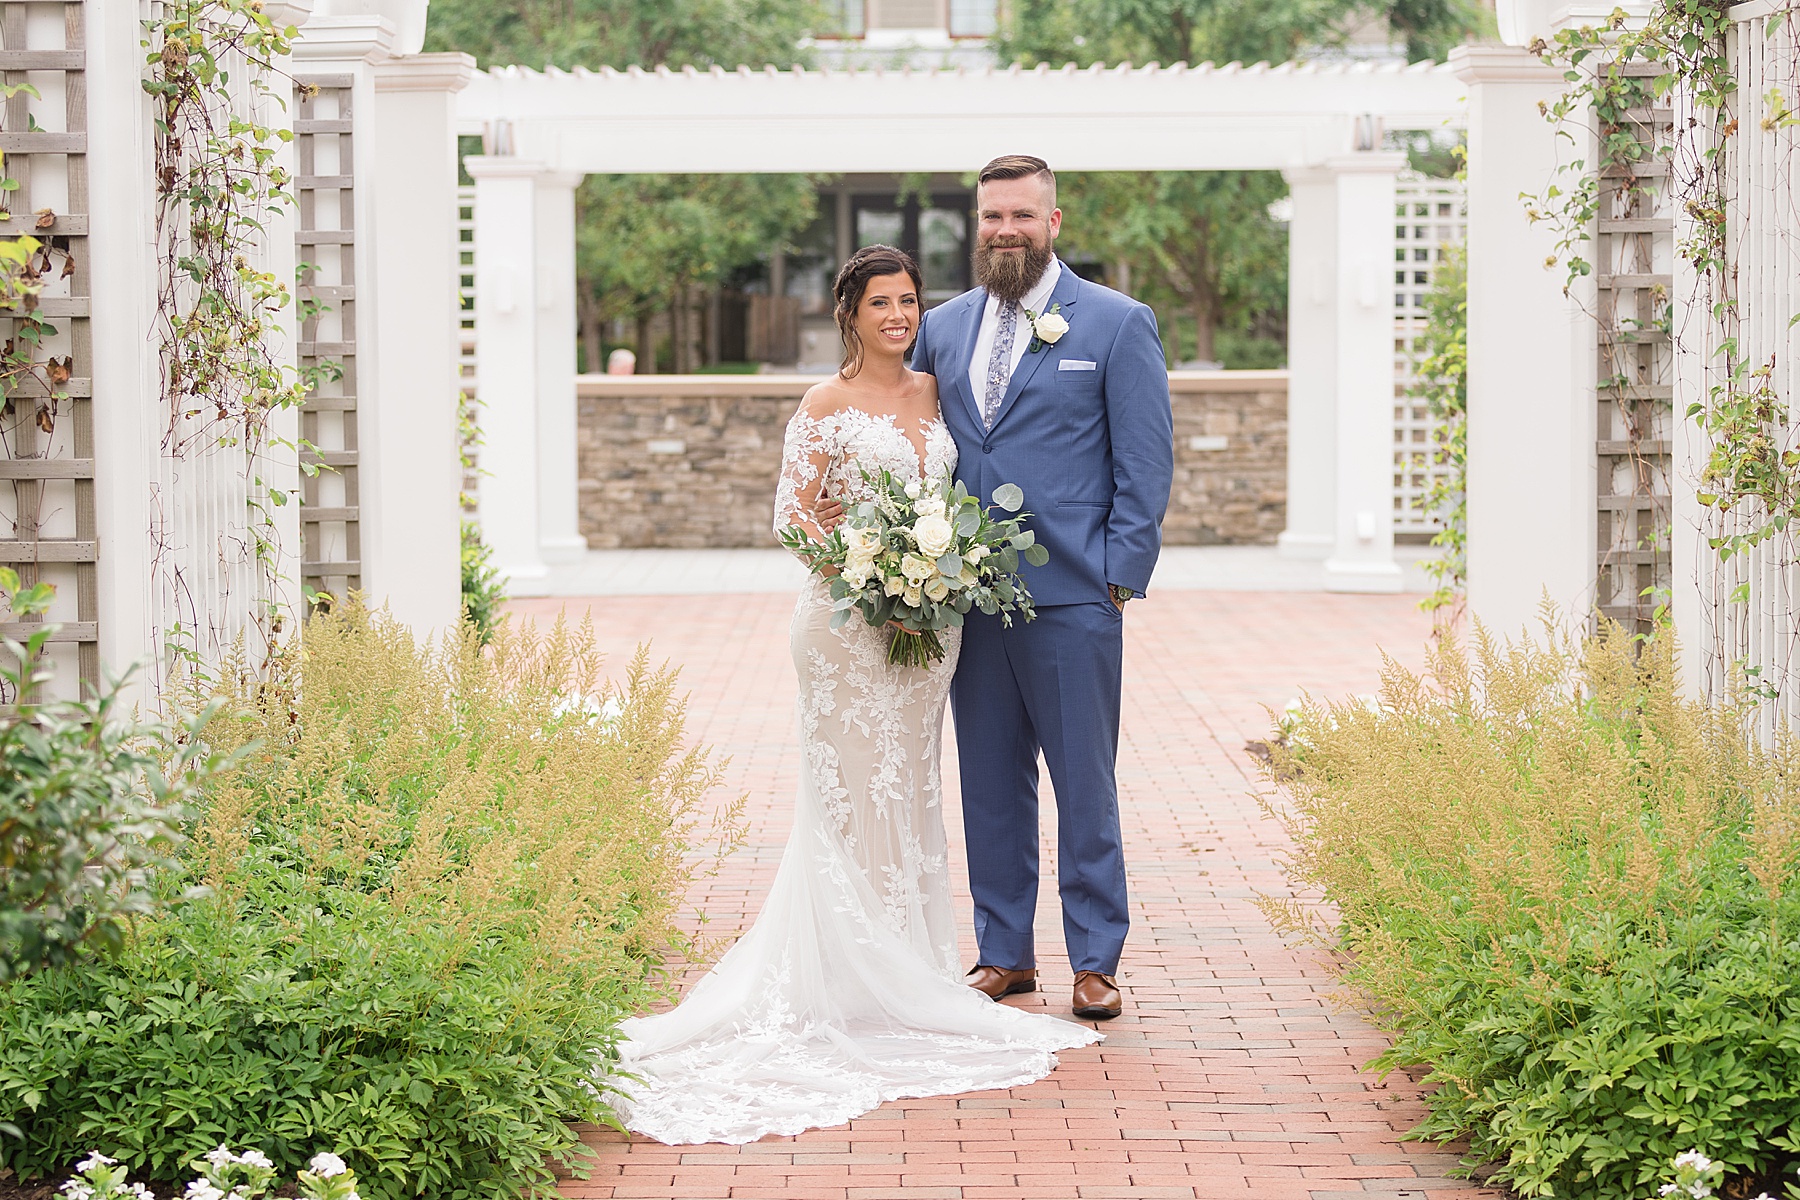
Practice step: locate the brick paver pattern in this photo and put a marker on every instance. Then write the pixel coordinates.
(1233, 1071)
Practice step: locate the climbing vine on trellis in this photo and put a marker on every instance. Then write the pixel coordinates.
(25, 264)
(219, 181)
(1753, 470)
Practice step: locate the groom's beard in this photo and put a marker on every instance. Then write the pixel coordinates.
(1010, 276)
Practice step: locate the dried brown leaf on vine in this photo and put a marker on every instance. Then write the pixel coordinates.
(45, 420)
(46, 217)
(68, 267)
(60, 370)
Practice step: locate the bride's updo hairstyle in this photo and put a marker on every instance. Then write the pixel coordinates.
(871, 262)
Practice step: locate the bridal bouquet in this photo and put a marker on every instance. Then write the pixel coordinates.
(919, 557)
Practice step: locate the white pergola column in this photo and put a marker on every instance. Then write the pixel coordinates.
(126, 366)
(1362, 554)
(1531, 360)
(559, 475)
(412, 477)
(1312, 376)
(507, 360)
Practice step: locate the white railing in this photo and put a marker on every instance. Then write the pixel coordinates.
(1747, 606)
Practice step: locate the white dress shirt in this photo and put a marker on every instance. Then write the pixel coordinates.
(1035, 300)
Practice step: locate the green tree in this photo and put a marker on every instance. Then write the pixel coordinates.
(649, 244)
(1201, 244)
(623, 33)
(1194, 31)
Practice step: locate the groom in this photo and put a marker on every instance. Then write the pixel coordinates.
(1059, 386)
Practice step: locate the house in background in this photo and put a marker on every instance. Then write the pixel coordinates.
(918, 33)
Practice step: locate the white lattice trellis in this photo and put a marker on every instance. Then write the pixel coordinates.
(465, 330)
(1429, 215)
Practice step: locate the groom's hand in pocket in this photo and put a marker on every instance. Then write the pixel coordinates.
(827, 512)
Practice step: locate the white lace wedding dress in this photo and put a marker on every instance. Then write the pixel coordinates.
(847, 990)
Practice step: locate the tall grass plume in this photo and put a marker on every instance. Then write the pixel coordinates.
(1567, 889)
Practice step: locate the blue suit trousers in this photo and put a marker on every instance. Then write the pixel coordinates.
(1052, 685)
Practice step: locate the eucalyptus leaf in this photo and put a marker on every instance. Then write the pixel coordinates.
(950, 564)
(1010, 497)
(839, 617)
(1037, 556)
(967, 523)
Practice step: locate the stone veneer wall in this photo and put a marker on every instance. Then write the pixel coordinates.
(689, 461)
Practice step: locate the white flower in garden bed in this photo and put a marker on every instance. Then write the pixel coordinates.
(224, 1175)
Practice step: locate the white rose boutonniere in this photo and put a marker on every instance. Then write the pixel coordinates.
(1047, 328)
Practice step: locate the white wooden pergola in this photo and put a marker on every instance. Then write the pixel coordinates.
(1320, 125)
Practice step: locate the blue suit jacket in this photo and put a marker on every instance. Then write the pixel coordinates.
(1093, 449)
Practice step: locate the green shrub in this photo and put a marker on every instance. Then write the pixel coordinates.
(438, 879)
(1568, 891)
(483, 591)
(91, 802)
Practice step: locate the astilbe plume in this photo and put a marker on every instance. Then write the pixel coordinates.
(1563, 885)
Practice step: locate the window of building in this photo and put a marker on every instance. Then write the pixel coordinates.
(845, 18)
(935, 232)
(973, 18)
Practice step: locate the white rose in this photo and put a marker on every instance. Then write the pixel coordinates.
(893, 586)
(976, 553)
(938, 588)
(1049, 328)
(933, 534)
(912, 491)
(966, 576)
(930, 505)
(856, 575)
(911, 596)
(862, 540)
(917, 570)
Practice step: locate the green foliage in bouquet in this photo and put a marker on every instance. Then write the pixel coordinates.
(437, 878)
(919, 558)
(1570, 892)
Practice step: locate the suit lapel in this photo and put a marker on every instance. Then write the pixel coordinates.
(969, 330)
(1064, 295)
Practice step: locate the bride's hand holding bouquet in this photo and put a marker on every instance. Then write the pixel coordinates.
(919, 557)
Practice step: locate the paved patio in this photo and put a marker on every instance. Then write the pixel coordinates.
(1231, 1073)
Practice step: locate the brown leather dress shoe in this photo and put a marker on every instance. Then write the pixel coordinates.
(995, 982)
(1097, 997)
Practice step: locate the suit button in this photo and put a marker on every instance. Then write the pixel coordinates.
(986, 449)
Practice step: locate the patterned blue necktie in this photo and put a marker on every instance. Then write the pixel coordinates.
(999, 372)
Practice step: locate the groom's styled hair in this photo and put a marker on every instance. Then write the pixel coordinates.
(1019, 166)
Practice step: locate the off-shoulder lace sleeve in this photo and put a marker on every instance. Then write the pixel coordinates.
(805, 457)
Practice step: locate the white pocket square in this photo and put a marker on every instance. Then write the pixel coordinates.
(1076, 364)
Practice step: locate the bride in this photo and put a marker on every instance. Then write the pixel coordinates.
(846, 992)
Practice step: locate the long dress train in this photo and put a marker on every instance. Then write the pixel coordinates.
(847, 989)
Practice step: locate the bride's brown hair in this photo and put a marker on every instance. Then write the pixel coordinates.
(871, 262)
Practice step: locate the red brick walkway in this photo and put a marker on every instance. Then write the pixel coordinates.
(1231, 1072)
